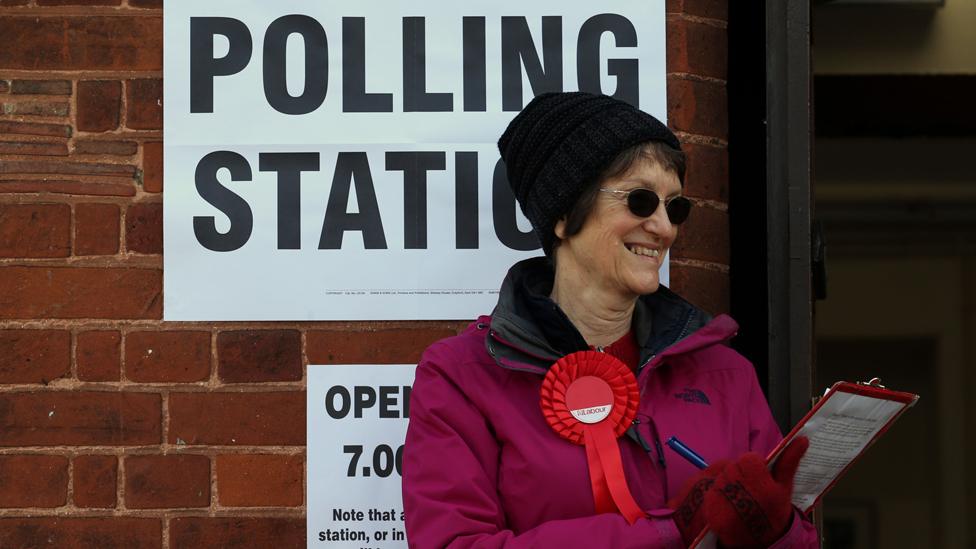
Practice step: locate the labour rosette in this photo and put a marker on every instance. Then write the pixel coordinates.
(590, 398)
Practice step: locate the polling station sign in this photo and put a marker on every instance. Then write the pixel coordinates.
(357, 423)
(337, 160)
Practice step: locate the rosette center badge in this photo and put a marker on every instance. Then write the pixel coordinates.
(589, 399)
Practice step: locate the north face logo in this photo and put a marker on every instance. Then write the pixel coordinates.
(693, 395)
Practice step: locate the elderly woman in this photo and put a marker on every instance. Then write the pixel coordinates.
(601, 183)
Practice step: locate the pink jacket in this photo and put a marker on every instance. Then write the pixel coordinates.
(482, 468)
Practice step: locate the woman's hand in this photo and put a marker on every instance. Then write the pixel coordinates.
(688, 514)
(749, 506)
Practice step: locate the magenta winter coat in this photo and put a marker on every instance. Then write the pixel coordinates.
(483, 469)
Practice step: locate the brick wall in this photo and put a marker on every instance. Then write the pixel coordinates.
(119, 430)
(698, 112)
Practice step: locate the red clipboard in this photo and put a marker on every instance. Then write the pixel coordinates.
(845, 422)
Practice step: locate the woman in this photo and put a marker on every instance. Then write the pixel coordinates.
(601, 183)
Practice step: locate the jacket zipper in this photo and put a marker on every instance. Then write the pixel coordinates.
(647, 447)
(648, 361)
(638, 437)
(657, 445)
(660, 453)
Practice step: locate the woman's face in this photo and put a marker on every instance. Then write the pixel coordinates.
(616, 250)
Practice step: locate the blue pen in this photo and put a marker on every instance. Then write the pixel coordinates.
(686, 452)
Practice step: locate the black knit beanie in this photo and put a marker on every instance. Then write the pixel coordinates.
(561, 142)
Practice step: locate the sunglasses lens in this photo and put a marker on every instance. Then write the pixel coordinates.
(642, 202)
(678, 209)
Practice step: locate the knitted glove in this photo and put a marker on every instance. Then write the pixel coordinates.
(747, 505)
(687, 505)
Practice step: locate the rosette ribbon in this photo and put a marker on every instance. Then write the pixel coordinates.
(590, 399)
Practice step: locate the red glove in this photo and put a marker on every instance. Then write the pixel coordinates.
(687, 505)
(749, 507)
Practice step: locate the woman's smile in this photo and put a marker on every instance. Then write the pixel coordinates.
(644, 251)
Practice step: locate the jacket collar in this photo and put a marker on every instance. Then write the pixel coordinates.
(530, 332)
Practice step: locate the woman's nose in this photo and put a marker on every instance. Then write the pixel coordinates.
(659, 223)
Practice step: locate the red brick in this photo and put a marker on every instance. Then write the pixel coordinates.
(708, 172)
(152, 167)
(81, 533)
(41, 87)
(145, 3)
(390, 346)
(35, 230)
(698, 107)
(95, 480)
(97, 229)
(711, 9)
(706, 288)
(14, 2)
(98, 354)
(34, 148)
(177, 356)
(34, 356)
(33, 481)
(144, 228)
(259, 355)
(144, 104)
(704, 236)
(78, 2)
(80, 418)
(36, 108)
(31, 128)
(102, 188)
(262, 480)
(250, 419)
(157, 482)
(65, 168)
(697, 48)
(117, 148)
(82, 42)
(98, 105)
(80, 292)
(236, 532)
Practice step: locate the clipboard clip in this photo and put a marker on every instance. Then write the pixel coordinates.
(874, 382)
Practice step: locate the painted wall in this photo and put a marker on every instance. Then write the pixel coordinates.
(912, 299)
(911, 40)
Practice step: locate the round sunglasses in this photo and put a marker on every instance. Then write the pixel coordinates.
(644, 202)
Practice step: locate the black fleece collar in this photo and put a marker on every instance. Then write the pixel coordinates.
(529, 328)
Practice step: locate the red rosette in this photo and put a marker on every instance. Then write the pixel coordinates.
(590, 399)
(580, 364)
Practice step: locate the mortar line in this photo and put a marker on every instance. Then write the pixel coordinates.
(706, 265)
(70, 494)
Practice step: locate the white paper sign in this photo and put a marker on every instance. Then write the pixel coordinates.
(356, 422)
(337, 160)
